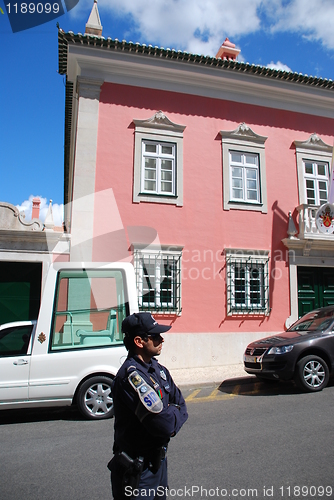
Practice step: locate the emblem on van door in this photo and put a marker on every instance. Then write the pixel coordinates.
(41, 338)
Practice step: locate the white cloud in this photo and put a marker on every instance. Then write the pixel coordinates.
(191, 25)
(279, 66)
(200, 27)
(57, 210)
(312, 20)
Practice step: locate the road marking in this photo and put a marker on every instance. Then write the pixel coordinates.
(215, 395)
(192, 395)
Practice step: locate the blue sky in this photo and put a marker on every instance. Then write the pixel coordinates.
(295, 35)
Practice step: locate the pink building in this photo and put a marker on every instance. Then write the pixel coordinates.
(190, 166)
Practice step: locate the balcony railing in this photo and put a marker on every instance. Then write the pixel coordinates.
(307, 224)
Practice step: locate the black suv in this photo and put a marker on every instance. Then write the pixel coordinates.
(304, 353)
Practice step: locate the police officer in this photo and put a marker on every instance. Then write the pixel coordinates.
(149, 410)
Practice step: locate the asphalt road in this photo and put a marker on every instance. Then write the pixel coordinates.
(243, 440)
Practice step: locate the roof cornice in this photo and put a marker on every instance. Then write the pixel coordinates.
(180, 56)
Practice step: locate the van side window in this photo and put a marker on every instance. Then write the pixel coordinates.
(14, 341)
(89, 309)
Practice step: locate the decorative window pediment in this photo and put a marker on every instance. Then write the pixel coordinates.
(243, 132)
(158, 160)
(244, 169)
(313, 143)
(159, 121)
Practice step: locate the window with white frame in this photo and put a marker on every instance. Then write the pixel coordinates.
(245, 184)
(158, 161)
(158, 167)
(316, 175)
(313, 160)
(158, 276)
(247, 281)
(244, 169)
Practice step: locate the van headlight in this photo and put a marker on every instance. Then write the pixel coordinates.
(280, 350)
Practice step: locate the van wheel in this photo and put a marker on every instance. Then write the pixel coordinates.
(311, 374)
(95, 398)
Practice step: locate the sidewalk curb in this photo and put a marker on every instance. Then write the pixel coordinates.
(189, 377)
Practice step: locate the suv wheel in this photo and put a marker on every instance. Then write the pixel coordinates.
(312, 373)
(95, 398)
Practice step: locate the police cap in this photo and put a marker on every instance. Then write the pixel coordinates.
(142, 323)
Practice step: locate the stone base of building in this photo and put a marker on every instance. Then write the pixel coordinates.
(197, 358)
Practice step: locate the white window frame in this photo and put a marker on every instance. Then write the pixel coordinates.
(316, 179)
(247, 259)
(158, 255)
(158, 129)
(313, 150)
(158, 157)
(244, 140)
(245, 169)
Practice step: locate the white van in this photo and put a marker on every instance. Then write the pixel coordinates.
(71, 353)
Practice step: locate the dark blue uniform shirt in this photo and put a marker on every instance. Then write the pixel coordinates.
(140, 436)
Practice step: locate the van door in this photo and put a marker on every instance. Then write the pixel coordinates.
(15, 362)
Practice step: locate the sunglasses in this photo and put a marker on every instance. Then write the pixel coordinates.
(155, 338)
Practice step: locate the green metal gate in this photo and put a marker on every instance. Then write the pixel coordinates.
(315, 288)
